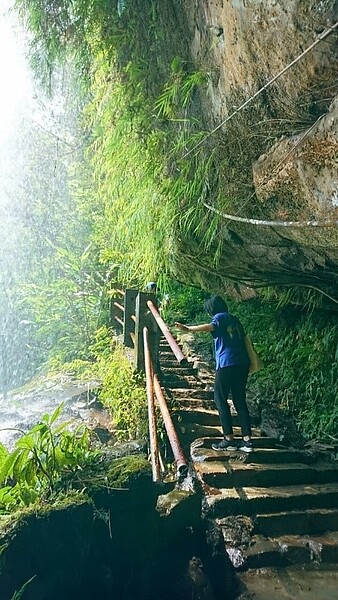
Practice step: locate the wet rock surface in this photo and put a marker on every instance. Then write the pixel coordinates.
(25, 407)
(236, 530)
(291, 583)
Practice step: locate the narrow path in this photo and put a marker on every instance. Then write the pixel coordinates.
(277, 507)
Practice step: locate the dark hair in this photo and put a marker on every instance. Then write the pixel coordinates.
(215, 305)
(152, 286)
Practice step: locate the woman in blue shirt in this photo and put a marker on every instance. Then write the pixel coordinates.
(232, 368)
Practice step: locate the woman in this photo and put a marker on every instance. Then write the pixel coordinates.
(232, 368)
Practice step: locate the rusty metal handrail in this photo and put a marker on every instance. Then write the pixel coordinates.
(153, 443)
(181, 462)
(153, 385)
(167, 333)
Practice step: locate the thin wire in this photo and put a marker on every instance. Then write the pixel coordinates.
(313, 45)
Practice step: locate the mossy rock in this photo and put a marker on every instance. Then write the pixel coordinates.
(47, 546)
(122, 483)
(125, 471)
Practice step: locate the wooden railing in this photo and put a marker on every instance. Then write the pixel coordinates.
(135, 317)
(132, 310)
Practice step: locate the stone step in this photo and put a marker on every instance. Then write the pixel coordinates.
(260, 441)
(297, 549)
(196, 403)
(167, 355)
(182, 383)
(261, 553)
(169, 362)
(299, 522)
(193, 393)
(166, 352)
(286, 550)
(311, 582)
(256, 500)
(179, 371)
(205, 416)
(198, 415)
(264, 453)
(183, 378)
(302, 549)
(237, 474)
(194, 433)
(325, 547)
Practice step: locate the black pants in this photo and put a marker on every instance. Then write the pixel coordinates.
(232, 379)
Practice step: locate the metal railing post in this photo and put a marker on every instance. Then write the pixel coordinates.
(129, 312)
(140, 313)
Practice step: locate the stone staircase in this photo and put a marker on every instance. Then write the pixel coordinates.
(277, 506)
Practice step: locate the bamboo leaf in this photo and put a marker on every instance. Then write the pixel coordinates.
(57, 413)
(6, 470)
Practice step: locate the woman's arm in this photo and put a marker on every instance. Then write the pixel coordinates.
(195, 328)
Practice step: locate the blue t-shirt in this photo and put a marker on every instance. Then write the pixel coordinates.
(228, 336)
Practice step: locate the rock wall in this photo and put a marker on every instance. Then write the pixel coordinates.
(303, 169)
(247, 42)
(292, 174)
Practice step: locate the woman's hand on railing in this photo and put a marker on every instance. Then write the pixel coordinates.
(182, 327)
(195, 328)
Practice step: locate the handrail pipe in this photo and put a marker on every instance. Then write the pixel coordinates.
(167, 334)
(181, 462)
(154, 451)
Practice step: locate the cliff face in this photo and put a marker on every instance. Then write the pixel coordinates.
(290, 173)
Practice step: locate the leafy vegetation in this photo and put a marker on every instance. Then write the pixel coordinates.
(140, 119)
(97, 179)
(126, 170)
(123, 392)
(42, 458)
(115, 190)
(132, 201)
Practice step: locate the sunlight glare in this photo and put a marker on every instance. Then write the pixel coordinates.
(16, 85)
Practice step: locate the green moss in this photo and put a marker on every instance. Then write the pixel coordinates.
(125, 470)
(60, 501)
